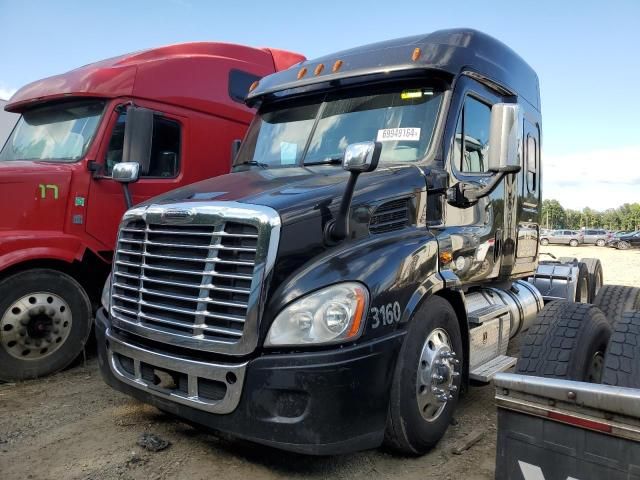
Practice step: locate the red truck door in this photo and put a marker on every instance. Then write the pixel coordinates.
(105, 204)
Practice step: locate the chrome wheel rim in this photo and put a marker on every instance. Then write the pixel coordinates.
(594, 375)
(436, 375)
(35, 326)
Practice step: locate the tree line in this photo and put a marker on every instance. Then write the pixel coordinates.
(625, 217)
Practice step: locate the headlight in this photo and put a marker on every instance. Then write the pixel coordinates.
(105, 299)
(331, 315)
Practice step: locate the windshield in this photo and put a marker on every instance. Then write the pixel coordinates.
(318, 132)
(60, 132)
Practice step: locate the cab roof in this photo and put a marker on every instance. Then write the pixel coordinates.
(193, 75)
(450, 51)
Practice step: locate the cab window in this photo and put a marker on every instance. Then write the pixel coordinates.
(165, 147)
(239, 83)
(471, 152)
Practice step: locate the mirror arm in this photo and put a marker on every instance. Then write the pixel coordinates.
(465, 194)
(127, 195)
(339, 228)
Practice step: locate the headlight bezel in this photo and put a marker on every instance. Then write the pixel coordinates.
(282, 333)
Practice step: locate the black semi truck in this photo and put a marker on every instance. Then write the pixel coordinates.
(367, 258)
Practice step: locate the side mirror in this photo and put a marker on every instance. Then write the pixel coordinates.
(504, 138)
(362, 157)
(138, 134)
(126, 172)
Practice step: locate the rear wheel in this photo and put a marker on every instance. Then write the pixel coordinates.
(426, 382)
(568, 341)
(622, 361)
(45, 319)
(600, 243)
(614, 300)
(596, 276)
(573, 242)
(544, 242)
(622, 245)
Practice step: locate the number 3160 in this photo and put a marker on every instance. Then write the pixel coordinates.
(385, 314)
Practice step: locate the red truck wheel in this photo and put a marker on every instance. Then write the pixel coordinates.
(45, 320)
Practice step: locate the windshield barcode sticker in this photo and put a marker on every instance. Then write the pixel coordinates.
(396, 134)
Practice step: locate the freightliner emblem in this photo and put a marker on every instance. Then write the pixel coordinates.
(178, 215)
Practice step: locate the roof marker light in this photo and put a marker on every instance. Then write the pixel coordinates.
(253, 86)
(337, 66)
(416, 54)
(302, 72)
(319, 69)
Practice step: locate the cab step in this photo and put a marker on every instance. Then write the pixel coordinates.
(484, 314)
(486, 371)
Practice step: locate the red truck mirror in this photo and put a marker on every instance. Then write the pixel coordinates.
(138, 133)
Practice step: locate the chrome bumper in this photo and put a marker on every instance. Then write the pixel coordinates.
(177, 368)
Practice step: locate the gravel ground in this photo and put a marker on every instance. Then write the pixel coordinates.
(73, 426)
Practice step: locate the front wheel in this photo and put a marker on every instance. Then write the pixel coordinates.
(573, 243)
(427, 379)
(544, 242)
(45, 319)
(623, 245)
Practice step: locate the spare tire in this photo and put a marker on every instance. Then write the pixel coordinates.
(567, 341)
(622, 360)
(614, 300)
(596, 276)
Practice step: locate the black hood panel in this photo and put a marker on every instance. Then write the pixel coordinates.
(297, 193)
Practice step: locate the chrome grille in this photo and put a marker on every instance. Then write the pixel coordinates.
(194, 285)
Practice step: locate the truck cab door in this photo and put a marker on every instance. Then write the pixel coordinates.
(477, 232)
(106, 202)
(529, 203)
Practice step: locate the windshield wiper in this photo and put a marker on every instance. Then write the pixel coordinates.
(326, 161)
(253, 162)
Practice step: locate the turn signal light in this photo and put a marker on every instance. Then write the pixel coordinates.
(416, 54)
(446, 257)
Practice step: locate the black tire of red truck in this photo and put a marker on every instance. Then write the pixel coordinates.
(425, 370)
(567, 341)
(614, 300)
(622, 361)
(45, 320)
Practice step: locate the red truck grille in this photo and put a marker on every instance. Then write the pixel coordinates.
(188, 280)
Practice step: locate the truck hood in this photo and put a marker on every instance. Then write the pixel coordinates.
(298, 193)
(36, 193)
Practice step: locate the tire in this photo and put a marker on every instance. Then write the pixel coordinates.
(622, 245)
(596, 276)
(544, 242)
(45, 320)
(584, 284)
(600, 243)
(622, 361)
(567, 341)
(614, 300)
(408, 431)
(573, 243)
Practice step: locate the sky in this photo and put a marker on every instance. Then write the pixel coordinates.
(585, 53)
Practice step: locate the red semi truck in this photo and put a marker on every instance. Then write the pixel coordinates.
(60, 208)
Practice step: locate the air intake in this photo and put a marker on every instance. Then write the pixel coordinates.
(390, 216)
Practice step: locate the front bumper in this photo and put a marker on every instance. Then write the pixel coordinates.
(320, 403)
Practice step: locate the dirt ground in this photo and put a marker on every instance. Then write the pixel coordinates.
(73, 426)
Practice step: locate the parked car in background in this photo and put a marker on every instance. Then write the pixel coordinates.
(626, 241)
(563, 237)
(597, 237)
